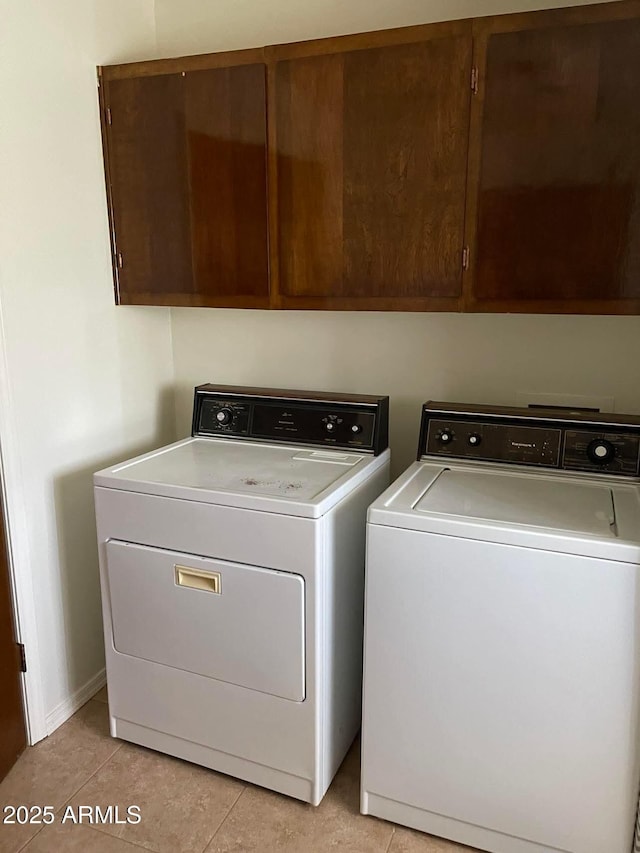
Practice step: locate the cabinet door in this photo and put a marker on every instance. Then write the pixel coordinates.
(186, 172)
(149, 188)
(371, 148)
(554, 196)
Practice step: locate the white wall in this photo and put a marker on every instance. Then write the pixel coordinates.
(197, 26)
(83, 382)
(412, 357)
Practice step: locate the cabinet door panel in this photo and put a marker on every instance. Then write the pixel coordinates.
(309, 163)
(148, 173)
(558, 195)
(226, 139)
(188, 187)
(371, 166)
(404, 168)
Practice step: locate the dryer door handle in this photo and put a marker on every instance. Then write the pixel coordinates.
(197, 579)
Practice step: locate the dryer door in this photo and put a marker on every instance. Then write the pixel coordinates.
(227, 621)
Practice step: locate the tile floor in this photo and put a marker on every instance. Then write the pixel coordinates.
(184, 808)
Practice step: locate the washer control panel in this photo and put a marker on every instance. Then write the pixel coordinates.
(351, 422)
(573, 441)
(494, 442)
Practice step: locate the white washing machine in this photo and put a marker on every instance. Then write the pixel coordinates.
(502, 633)
(232, 571)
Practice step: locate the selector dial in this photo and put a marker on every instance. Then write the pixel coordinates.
(331, 423)
(474, 439)
(356, 429)
(446, 436)
(224, 416)
(601, 451)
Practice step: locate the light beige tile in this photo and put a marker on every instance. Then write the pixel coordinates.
(77, 838)
(102, 696)
(14, 837)
(408, 841)
(182, 805)
(265, 822)
(50, 772)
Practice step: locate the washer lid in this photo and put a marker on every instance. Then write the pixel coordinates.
(290, 479)
(574, 514)
(525, 500)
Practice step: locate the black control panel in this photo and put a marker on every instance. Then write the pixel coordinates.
(302, 417)
(495, 442)
(573, 441)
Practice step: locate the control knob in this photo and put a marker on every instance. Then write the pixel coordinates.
(601, 451)
(331, 423)
(224, 416)
(474, 439)
(446, 436)
(356, 429)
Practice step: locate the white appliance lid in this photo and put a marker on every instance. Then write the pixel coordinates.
(293, 479)
(574, 514)
(522, 499)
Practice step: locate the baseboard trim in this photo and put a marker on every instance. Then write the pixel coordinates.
(66, 709)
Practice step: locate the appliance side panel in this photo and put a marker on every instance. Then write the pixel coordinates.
(501, 688)
(344, 537)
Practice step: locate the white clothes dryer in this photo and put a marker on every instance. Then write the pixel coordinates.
(232, 572)
(502, 633)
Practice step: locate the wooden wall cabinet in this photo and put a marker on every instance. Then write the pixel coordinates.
(490, 164)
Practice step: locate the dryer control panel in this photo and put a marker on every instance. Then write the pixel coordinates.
(349, 421)
(569, 440)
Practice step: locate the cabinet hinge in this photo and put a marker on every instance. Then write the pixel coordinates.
(22, 657)
(465, 258)
(119, 260)
(474, 80)
(108, 115)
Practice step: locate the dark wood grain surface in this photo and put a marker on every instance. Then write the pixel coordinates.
(226, 140)
(187, 168)
(149, 186)
(309, 95)
(371, 167)
(557, 169)
(179, 64)
(405, 150)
